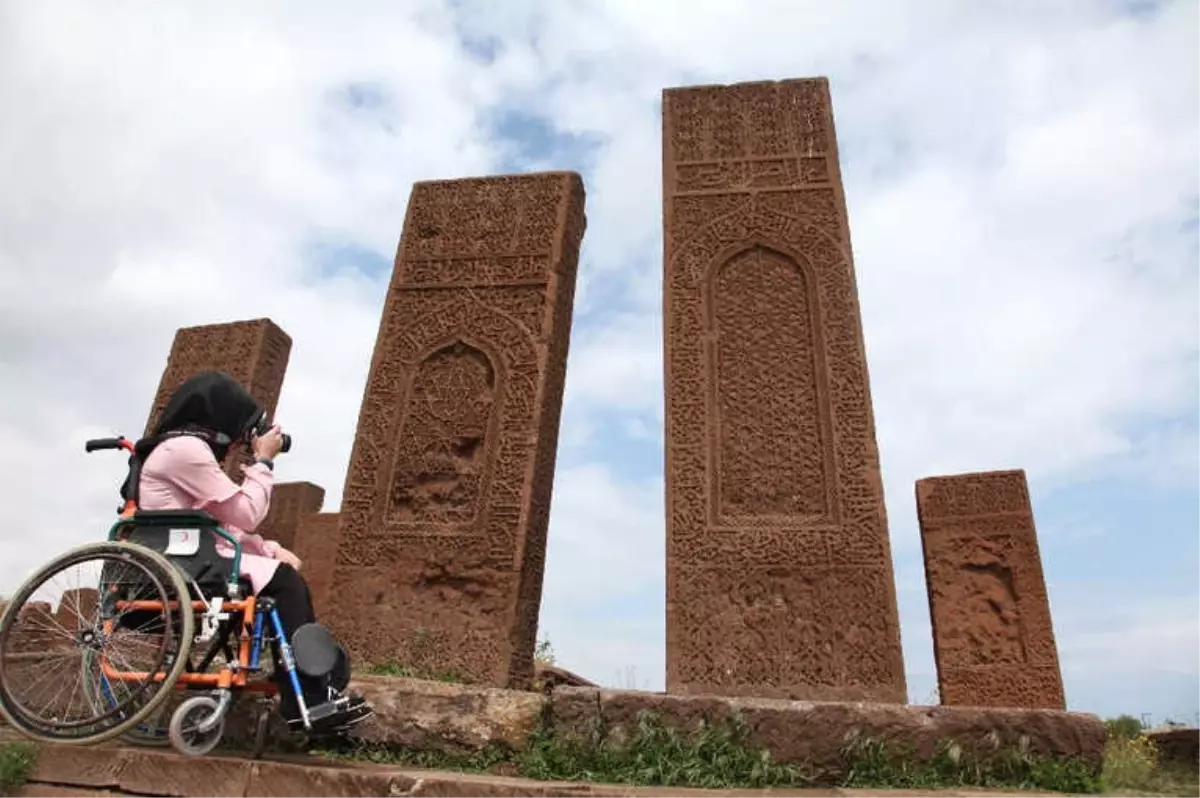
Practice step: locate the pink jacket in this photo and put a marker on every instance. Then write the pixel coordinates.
(182, 473)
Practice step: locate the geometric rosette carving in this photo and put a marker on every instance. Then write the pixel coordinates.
(442, 526)
(438, 470)
(993, 638)
(768, 390)
(779, 573)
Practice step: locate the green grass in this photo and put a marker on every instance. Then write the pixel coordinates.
(719, 756)
(544, 653)
(1132, 767)
(400, 669)
(873, 765)
(16, 763)
(652, 753)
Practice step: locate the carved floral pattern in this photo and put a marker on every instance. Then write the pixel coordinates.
(779, 576)
(443, 520)
(993, 638)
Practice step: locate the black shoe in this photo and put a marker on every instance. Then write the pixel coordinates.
(356, 712)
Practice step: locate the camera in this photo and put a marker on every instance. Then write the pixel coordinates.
(264, 426)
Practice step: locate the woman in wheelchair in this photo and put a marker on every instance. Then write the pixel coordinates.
(210, 414)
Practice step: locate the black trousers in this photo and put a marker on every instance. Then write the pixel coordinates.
(294, 602)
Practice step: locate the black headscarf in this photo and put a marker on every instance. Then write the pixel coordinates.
(212, 406)
(212, 402)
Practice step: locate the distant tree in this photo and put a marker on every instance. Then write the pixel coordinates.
(544, 653)
(1124, 727)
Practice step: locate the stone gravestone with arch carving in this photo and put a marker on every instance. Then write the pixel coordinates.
(442, 526)
(779, 570)
(993, 639)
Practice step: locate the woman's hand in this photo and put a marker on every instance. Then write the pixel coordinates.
(287, 558)
(268, 445)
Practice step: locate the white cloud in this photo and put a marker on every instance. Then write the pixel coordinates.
(1140, 657)
(611, 544)
(1150, 643)
(1019, 177)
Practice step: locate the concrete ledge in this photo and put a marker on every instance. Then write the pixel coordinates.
(420, 715)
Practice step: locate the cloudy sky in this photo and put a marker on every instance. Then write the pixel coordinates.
(1022, 188)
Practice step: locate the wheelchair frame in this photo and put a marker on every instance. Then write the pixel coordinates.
(254, 613)
(255, 620)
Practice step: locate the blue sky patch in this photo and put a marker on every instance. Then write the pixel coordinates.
(329, 258)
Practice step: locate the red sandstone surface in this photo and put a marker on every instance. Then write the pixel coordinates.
(442, 533)
(255, 353)
(779, 570)
(992, 636)
(114, 771)
(316, 546)
(290, 502)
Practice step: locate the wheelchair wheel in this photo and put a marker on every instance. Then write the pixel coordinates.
(184, 729)
(151, 731)
(90, 646)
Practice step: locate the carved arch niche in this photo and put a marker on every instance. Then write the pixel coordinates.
(771, 451)
(447, 429)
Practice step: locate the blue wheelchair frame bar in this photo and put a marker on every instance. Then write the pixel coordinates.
(289, 660)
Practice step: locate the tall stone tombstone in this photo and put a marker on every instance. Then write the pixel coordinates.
(316, 545)
(992, 636)
(779, 570)
(255, 353)
(290, 502)
(447, 497)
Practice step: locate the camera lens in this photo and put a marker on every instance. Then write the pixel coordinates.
(264, 426)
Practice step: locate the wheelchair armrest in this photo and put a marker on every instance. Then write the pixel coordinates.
(154, 529)
(177, 518)
(182, 519)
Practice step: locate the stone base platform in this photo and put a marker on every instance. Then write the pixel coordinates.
(423, 715)
(1177, 747)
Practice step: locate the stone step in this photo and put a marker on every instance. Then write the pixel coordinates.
(65, 771)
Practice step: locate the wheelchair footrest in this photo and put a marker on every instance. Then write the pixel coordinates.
(328, 709)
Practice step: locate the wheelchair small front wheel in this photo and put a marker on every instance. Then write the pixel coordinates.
(184, 729)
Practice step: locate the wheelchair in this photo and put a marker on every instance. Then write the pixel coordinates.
(95, 644)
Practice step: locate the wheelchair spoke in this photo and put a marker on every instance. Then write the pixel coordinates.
(48, 677)
(40, 686)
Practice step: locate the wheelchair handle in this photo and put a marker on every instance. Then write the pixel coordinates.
(98, 444)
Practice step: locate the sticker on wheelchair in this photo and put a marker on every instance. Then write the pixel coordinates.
(182, 542)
